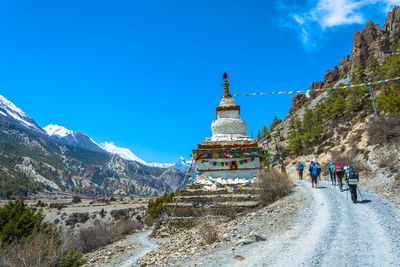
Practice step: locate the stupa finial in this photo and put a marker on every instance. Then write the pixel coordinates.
(226, 85)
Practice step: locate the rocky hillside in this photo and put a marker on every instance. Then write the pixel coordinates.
(31, 160)
(340, 124)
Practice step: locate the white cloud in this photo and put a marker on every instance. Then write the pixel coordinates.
(321, 15)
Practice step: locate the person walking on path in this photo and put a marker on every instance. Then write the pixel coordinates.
(300, 168)
(339, 171)
(310, 167)
(332, 173)
(351, 177)
(319, 170)
(314, 176)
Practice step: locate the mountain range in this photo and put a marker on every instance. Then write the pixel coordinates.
(55, 158)
(82, 140)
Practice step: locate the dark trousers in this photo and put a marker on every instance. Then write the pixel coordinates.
(340, 180)
(353, 192)
(301, 175)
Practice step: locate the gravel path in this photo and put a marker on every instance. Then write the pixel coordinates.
(146, 246)
(329, 231)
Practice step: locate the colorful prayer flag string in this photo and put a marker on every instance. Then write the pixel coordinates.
(323, 89)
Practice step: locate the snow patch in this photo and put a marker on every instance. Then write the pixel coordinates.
(124, 153)
(9, 109)
(54, 129)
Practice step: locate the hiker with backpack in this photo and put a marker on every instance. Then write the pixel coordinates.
(339, 171)
(314, 175)
(332, 172)
(310, 167)
(318, 170)
(300, 168)
(351, 177)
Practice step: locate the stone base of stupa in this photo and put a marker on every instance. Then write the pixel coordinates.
(205, 200)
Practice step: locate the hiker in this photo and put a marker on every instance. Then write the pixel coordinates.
(351, 177)
(339, 171)
(332, 173)
(310, 167)
(300, 168)
(319, 170)
(314, 176)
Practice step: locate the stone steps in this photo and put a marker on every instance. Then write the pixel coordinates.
(183, 209)
(219, 191)
(218, 198)
(190, 221)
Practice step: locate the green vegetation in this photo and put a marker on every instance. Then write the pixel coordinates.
(303, 133)
(18, 222)
(18, 185)
(154, 207)
(22, 229)
(76, 199)
(388, 100)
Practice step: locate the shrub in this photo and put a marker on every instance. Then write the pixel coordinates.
(385, 131)
(58, 206)
(209, 231)
(27, 241)
(18, 221)
(272, 186)
(103, 213)
(102, 233)
(154, 207)
(76, 199)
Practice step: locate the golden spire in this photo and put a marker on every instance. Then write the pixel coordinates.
(226, 85)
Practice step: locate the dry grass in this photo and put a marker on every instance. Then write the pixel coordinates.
(208, 228)
(42, 249)
(101, 233)
(390, 161)
(272, 186)
(385, 131)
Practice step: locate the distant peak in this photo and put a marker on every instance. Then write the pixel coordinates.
(124, 153)
(54, 129)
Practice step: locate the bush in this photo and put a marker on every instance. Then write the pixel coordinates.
(26, 240)
(209, 230)
(154, 208)
(101, 233)
(42, 249)
(76, 199)
(18, 221)
(272, 185)
(385, 131)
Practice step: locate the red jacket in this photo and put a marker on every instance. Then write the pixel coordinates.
(341, 169)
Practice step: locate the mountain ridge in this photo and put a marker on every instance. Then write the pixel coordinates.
(31, 161)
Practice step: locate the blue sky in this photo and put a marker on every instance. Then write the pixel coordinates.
(147, 75)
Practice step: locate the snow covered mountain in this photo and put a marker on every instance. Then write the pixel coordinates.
(69, 137)
(12, 112)
(180, 164)
(124, 153)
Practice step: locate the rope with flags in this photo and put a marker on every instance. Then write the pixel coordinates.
(321, 89)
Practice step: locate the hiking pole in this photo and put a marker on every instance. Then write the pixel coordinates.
(358, 189)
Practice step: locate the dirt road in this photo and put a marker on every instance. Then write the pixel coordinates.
(329, 231)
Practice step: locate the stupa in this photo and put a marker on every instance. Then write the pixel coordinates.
(229, 154)
(229, 159)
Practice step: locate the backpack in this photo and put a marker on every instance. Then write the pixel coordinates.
(339, 167)
(301, 167)
(332, 167)
(318, 168)
(352, 176)
(311, 166)
(314, 171)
